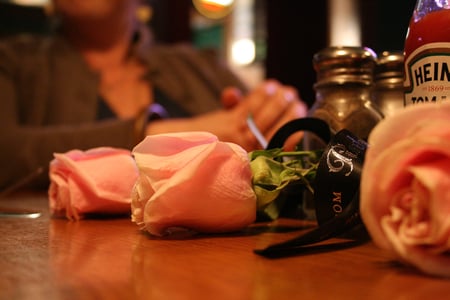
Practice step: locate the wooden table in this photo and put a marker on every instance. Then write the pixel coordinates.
(46, 258)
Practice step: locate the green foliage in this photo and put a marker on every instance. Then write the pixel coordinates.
(274, 169)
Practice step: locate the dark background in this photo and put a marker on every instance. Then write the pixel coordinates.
(294, 31)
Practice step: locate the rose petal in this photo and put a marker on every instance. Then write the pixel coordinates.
(405, 183)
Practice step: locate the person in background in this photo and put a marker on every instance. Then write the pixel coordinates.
(100, 80)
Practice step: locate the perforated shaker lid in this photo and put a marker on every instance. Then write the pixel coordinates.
(389, 68)
(341, 64)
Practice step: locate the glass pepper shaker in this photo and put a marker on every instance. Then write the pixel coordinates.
(388, 91)
(343, 89)
(343, 98)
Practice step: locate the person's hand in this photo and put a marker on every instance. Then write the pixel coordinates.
(271, 105)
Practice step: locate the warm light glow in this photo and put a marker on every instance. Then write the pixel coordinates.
(243, 51)
(241, 47)
(31, 2)
(218, 2)
(345, 28)
(214, 9)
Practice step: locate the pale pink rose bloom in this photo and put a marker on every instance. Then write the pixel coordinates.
(405, 186)
(191, 180)
(99, 180)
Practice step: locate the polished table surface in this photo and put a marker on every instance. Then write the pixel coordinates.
(48, 258)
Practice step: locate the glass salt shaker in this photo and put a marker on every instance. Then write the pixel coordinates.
(388, 91)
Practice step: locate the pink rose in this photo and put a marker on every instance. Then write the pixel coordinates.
(99, 181)
(405, 186)
(191, 180)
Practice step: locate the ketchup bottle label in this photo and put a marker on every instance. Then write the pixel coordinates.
(427, 74)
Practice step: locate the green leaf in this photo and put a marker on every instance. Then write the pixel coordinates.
(273, 170)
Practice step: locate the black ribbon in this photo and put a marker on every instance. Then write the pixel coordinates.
(314, 125)
(336, 189)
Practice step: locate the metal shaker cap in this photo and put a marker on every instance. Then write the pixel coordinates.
(344, 64)
(389, 68)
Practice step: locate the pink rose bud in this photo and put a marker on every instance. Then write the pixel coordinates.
(191, 180)
(405, 184)
(98, 181)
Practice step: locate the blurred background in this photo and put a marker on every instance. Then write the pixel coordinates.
(257, 38)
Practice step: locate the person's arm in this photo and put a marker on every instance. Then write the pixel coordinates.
(25, 149)
(271, 105)
(217, 99)
(229, 125)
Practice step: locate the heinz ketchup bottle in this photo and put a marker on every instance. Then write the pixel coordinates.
(427, 53)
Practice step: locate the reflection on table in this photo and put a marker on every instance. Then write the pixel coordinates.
(47, 258)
